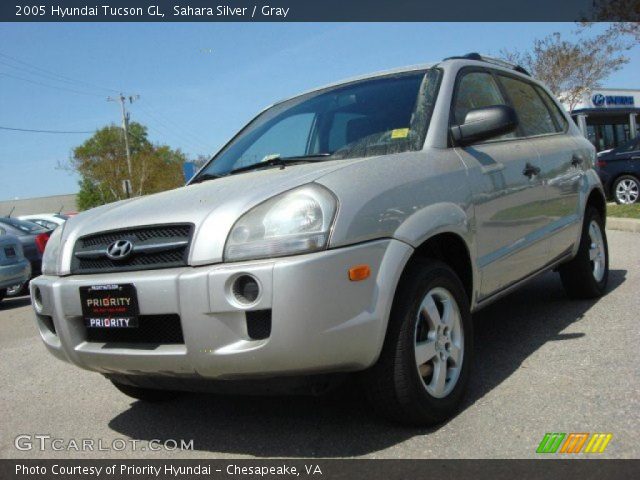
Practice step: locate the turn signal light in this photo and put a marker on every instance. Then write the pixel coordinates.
(359, 272)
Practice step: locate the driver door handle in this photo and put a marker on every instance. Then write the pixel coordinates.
(530, 170)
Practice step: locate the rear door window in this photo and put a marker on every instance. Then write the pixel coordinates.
(535, 118)
(560, 119)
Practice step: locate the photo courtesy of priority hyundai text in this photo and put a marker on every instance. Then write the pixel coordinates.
(319, 239)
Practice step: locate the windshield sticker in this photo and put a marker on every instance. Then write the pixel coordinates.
(400, 133)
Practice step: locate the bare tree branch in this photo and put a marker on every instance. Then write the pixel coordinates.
(571, 68)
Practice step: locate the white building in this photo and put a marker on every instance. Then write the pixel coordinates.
(607, 116)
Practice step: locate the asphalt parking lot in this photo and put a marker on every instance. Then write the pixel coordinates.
(543, 364)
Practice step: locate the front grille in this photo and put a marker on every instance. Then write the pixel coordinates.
(163, 246)
(141, 234)
(152, 329)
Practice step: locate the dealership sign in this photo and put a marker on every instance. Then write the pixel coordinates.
(600, 100)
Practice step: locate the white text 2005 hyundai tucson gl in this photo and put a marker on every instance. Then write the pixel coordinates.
(353, 228)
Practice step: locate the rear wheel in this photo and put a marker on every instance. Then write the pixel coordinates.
(626, 190)
(423, 369)
(587, 274)
(145, 394)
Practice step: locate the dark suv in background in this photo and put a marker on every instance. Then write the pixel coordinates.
(619, 170)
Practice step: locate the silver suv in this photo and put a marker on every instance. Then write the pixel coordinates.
(353, 228)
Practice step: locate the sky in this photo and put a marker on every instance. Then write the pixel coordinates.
(200, 83)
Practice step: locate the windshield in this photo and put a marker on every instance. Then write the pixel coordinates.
(370, 117)
(25, 227)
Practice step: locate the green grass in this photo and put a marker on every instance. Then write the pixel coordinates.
(624, 211)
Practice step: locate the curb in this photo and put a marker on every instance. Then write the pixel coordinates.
(624, 224)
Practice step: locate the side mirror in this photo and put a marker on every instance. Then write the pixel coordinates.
(484, 123)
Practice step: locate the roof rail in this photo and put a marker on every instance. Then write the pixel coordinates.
(492, 60)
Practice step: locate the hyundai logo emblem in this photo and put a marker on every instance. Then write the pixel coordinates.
(119, 250)
(598, 99)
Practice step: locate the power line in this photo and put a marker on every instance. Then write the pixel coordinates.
(183, 135)
(165, 131)
(45, 77)
(43, 131)
(53, 74)
(50, 86)
(176, 125)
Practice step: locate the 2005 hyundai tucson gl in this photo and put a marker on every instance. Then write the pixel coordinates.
(353, 228)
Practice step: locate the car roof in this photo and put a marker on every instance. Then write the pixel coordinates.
(450, 62)
(358, 78)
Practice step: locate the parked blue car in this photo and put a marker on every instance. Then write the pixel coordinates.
(33, 239)
(15, 269)
(619, 171)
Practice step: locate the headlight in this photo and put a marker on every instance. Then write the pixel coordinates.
(52, 252)
(297, 221)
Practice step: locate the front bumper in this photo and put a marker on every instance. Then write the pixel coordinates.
(14, 274)
(321, 321)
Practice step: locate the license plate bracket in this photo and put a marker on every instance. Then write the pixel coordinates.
(110, 306)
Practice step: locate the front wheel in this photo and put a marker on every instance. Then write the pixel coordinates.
(423, 369)
(3, 292)
(587, 274)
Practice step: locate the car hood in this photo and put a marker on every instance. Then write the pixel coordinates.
(212, 206)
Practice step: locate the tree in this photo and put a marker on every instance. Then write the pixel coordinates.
(91, 196)
(201, 160)
(571, 68)
(102, 165)
(616, 11)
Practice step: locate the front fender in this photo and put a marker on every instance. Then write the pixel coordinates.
(432, 220)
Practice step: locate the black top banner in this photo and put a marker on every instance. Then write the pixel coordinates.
(318, 10)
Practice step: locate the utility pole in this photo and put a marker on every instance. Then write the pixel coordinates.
(125, 128)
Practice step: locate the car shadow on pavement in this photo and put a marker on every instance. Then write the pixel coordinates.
(14, 302)
(341, 423)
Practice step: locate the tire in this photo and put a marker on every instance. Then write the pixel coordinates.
(586, 277)
(3, 292)
(145, 394)
(394, 385)
(626, 190)
(20, 292)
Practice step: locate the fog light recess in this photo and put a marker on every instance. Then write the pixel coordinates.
(246, 289)
(37, 299)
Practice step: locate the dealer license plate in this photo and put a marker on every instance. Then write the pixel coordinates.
(109, 306)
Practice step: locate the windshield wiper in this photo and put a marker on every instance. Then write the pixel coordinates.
(204, 177)
(280, 161)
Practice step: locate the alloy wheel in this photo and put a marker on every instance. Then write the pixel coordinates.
(597, 253)
(439, 342)
(627, 191)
